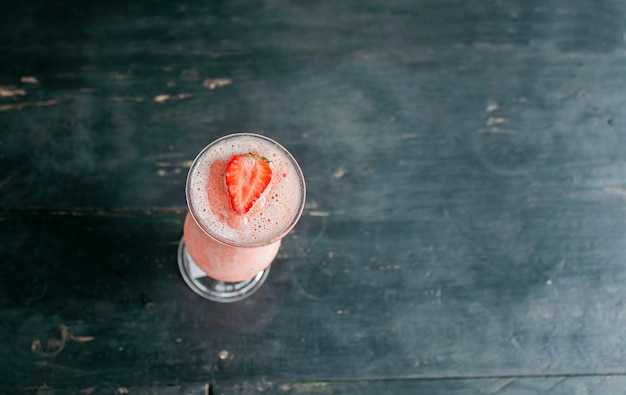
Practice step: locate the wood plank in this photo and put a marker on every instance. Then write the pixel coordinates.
(557, 385)
(345, 300)
(186, 389)
(409, 112)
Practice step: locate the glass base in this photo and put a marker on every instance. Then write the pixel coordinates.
(216, 290)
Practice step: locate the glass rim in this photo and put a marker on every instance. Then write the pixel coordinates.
(278, 236)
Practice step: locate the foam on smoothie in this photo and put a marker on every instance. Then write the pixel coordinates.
(270, 215)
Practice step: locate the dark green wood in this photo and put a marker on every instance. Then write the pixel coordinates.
(191, 389)
(335, 305)
(465, 218)
(501, 93)
(557, 385)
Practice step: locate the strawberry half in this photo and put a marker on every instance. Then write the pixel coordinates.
(247, 176)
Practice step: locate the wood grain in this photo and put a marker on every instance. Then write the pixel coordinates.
(412, 299)
(465, 219)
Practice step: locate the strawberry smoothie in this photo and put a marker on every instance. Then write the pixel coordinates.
(245, 193)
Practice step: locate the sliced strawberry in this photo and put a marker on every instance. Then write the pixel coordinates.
(247, 176)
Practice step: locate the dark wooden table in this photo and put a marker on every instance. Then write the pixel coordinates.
(465, 227)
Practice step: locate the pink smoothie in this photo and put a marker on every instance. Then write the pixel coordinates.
(229, 246)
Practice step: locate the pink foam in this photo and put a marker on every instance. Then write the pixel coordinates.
(272, 213)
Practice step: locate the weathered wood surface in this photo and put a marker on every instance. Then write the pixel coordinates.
(466, 194)
(555, 385)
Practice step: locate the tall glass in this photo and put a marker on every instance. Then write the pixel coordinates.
(225, 256)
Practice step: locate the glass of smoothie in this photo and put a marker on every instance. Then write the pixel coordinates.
(245, 192)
